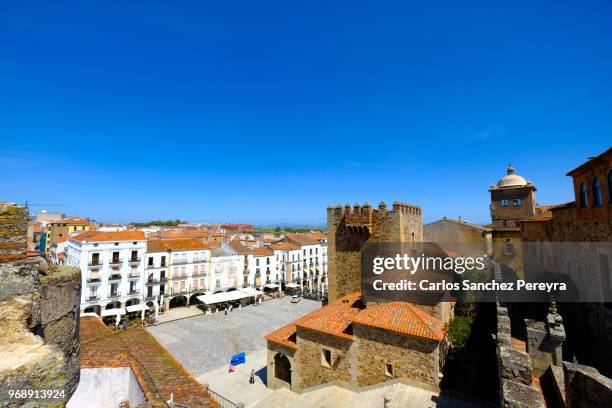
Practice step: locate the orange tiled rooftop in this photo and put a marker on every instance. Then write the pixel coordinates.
(157, 372)
(337, 317)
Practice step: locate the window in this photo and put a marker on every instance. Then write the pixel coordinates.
(150, 261)
(517, 201)
(505, 202)
(389, 369)
(583, 196)
(326, 357)
(508, 248)
(597, 198)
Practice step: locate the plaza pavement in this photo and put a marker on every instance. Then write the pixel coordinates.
(203, 344)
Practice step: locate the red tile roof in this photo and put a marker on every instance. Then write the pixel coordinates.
(337, 317)
(157, 372)
(402, 318)
(237, 246)
(263, 252)
(109, 236)
(285, 246)
(185, 244)
(301, 239)
(187, 233)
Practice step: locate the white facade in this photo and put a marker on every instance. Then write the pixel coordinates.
(227, 269)
(190, 271)
(262, 267)
(112, 272)
(288, 263)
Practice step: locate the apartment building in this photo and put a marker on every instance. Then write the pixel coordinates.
(227, 268)
(261, 267)
(179, 269)
(311, 261)
(288, 264)
(56, 230)
(112, 268)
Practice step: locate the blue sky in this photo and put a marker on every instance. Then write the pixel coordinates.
(266, 112)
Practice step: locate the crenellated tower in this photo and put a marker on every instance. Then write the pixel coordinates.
(350, 228)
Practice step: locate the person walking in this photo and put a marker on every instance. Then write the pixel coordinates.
(252, 377)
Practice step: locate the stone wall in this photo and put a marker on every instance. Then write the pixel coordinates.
(39, 317)
(411, 357)
(311, 370)
(586, 387)
(350, 228)
(274, 383)
(515, 369)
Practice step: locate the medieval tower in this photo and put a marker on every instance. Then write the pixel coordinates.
(350, 228)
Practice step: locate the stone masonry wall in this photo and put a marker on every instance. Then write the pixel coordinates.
(350, 228)
(39, 318)
(412, 358)
(311, 371)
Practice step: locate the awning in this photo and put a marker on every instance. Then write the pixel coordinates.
(113, 312)
(223, 297)
(292, 285)
(271, 285)
(136, 308)
(250, 291)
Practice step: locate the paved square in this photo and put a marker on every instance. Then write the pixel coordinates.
(206, 342)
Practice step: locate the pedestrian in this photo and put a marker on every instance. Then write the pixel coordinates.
(252, 377)
(231, 369)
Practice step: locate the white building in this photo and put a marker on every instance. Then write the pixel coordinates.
(288, 265)
(112, 268)
(314, 260)
(227, 269)
(177, 268)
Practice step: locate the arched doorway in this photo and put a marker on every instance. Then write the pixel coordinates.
(133, 301)
(282, 368)
(113, 305)
(93, 309)
(178, 301)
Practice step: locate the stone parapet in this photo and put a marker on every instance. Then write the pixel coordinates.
(39, 318)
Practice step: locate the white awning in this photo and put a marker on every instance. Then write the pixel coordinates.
(136, 308)
(271, 285)
(292, 285)
(113, 312)
(222, 297)
(250, 291)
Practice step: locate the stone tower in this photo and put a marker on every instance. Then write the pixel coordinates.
(512, 199)
(349, 228)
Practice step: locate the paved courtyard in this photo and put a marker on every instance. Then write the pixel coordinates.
(203, 343)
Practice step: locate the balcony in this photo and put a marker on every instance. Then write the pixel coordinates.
(199, 275)
(199, 260)
(133, 261)
(179, 262)
(115, 262)
(152, 282)
(114, 277)
(113, 295)
(95, 264)
(93, 280)
(133, 277)
(133, 292)
(151, 267)
(92, 298)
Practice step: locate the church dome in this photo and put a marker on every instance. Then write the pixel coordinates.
(511, 179)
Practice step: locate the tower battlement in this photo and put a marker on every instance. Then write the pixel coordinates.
(351, 227)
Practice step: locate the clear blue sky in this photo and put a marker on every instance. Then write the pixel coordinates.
(266, 112)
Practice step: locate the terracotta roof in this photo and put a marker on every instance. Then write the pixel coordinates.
(270, 240)
(285, 246)
(187, 233)
(71, 221)
(61, 239)
(318, 235)
(403, 318)
(461, 222)
(285, 336)
(263, 252)
(599, 159)
(337, 317)
(185, 244)
(301, 239)
(238, 247)
(109, 236)
(157, 372)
